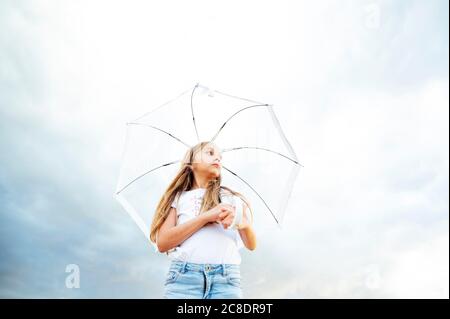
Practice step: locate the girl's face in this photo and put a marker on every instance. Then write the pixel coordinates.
(208, 160)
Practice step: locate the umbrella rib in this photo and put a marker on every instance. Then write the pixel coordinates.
(157, 128)
(243, 109)
(164, 104)
(142, 175)
(237, 97)
(192, 110)
(260, 148)
(254, 191)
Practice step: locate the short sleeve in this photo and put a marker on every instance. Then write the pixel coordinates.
(174, 203)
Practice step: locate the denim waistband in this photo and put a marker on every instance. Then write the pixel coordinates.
(183, 266)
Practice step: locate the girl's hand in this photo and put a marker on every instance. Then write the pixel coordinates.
(228, 216)
(215, 214)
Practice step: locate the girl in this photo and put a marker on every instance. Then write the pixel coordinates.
(192, 226)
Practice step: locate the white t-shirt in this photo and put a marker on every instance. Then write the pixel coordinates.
(211, 244)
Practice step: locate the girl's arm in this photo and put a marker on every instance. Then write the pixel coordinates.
(171, 235)
(246, 232)
(248, 237)
(245, 229)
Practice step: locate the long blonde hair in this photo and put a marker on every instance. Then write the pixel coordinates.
(184, 181)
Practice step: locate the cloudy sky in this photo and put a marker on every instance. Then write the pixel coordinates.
(361, 89)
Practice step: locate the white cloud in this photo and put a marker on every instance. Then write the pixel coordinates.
(421, 272)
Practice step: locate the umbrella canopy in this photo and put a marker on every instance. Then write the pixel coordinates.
(257, 159)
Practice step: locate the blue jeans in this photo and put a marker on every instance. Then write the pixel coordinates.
(186, 280)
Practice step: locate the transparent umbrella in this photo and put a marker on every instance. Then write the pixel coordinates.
(257, 159)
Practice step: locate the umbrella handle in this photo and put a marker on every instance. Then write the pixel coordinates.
(238, 215)
(237, 204)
